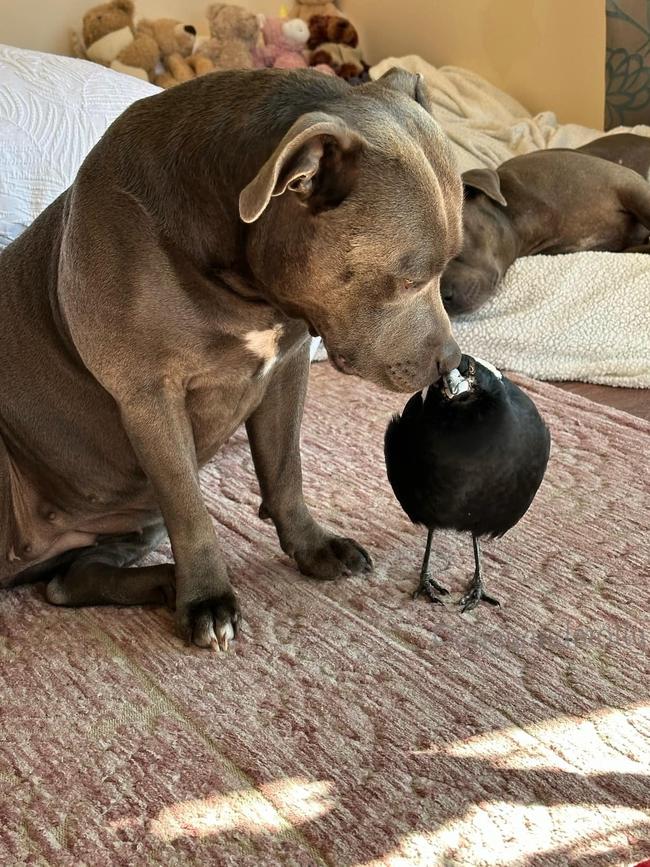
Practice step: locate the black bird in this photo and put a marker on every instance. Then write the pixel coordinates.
(467, 454)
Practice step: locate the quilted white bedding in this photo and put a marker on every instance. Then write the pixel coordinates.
(52, 111)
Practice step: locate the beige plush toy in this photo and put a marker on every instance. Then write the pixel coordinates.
(108, 38)
(175, 42)
(306, 8)
(234, 33)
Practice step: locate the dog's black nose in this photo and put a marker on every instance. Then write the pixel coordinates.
(190, 29)
(449, 357)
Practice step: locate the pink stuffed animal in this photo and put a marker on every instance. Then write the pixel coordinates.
(284, 43)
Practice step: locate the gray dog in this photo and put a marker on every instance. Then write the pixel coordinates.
(168, 296)
(551, 201)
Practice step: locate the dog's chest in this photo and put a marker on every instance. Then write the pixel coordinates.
(217, 409)
(222, 396)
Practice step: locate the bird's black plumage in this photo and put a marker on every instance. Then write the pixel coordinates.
(471, 462)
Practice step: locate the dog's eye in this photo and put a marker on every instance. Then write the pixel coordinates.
(408, 285)
(411, 284)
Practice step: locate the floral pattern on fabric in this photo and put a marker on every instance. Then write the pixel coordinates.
(627, 99)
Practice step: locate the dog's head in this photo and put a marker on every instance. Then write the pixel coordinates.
(472, 277)
(352, 219)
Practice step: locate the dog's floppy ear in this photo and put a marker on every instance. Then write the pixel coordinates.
(410, 83)
(485, 181)
(316, 160)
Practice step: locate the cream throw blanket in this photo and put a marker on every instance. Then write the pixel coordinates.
(582, 316)
(485, 125)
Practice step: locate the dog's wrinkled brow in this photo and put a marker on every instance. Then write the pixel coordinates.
(419, 264)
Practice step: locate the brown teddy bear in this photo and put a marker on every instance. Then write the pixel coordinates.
(306, 8)
(331, 28)
(345, 61)
(156, 51)
(108, 37)
(234, 33)
(175, 42)
(333, 40)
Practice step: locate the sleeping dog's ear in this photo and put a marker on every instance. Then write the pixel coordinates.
(316, 161)
(485, 181)
(410, 83)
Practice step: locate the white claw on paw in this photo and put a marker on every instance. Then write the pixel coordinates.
(223, 636)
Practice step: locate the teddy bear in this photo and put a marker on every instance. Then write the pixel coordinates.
(108, 37)
(175, 42)
(234, 34)
(284, 43)
(333, 40)
(344, 60)
(306, 8)
(155, 50)
(331, 28)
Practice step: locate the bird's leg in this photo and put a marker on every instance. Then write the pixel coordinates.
(427, 583)
(475, 592)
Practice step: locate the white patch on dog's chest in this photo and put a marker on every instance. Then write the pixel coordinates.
(264, 344)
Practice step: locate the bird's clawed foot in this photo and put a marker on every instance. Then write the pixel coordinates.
(475, 594)
(428, 585)
(431, 588)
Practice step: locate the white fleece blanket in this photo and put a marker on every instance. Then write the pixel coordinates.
(582, 316)
(554, 318)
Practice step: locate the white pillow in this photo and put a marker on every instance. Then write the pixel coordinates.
(52, 111)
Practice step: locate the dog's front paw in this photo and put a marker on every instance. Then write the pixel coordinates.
(332, 557)
(210, 622)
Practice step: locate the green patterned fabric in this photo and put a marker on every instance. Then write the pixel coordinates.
(628, 63)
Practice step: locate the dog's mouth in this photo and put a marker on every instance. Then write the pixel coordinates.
(340, 363)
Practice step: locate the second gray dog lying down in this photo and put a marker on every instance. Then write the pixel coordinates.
(552, 201)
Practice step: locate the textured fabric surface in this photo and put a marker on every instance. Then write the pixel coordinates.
(350, 725)
(627, 66)
(52, 111)
(583, 316)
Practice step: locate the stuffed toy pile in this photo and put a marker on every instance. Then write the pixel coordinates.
(159, 51)
(166, 51)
